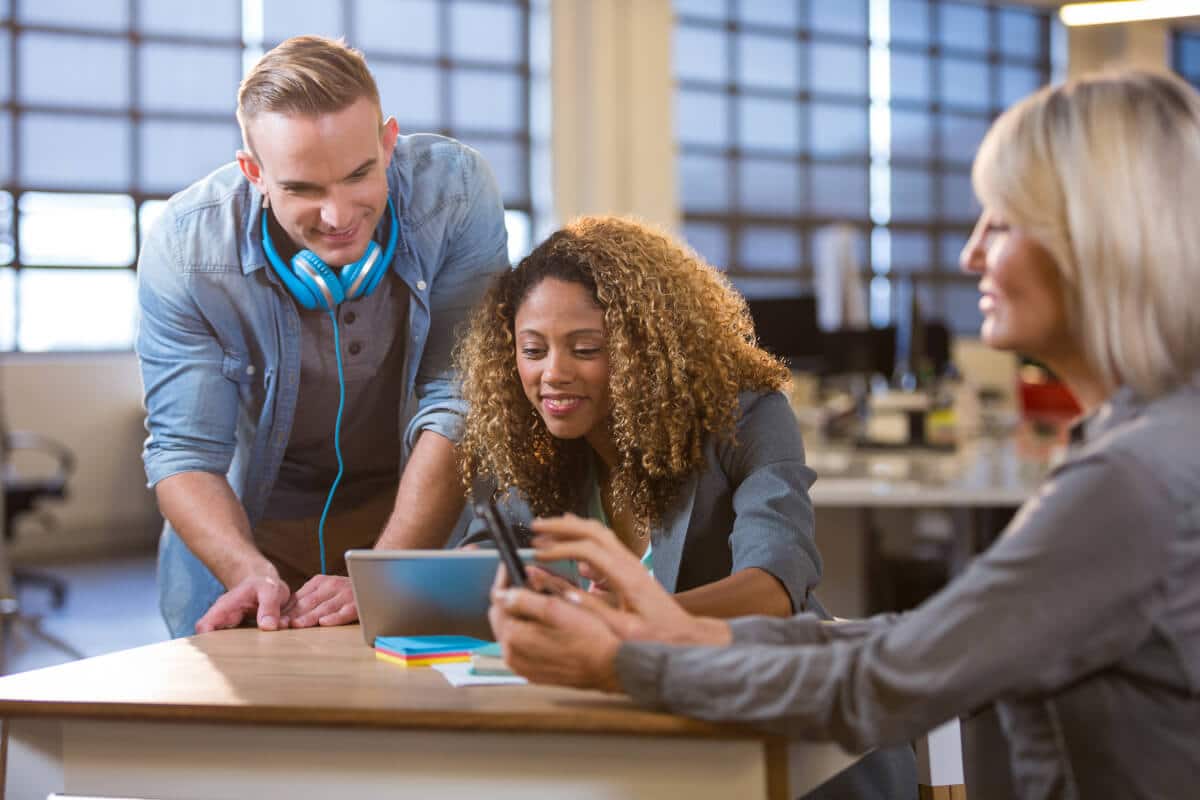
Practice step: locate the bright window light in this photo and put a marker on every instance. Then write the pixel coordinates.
(6, 242)
(72, 309)
(519, 234)
(86, 230)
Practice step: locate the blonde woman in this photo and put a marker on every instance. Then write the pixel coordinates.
(1082, 623)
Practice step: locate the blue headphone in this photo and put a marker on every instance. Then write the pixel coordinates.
(315, 285)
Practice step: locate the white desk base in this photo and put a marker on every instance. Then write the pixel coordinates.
(184, 761)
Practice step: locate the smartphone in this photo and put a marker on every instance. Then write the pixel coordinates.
(504, 539)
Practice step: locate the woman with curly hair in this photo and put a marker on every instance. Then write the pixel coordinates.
(614, 374)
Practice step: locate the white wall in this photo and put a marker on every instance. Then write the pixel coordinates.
(92, 403)
(1095, 47)
(612, 131)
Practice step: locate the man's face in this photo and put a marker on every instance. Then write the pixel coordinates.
(323, 176)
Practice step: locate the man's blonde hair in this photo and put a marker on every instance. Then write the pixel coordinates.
(1104, 172)
(305, 75)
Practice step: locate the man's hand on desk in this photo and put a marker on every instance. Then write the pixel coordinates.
(261, 594)
(324, 600)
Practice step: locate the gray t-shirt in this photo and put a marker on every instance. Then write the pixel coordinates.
(372, 331)
(1081, 624)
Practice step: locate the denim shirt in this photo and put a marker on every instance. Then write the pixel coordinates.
(219, 336)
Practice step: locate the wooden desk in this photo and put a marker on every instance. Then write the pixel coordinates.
(312, 714)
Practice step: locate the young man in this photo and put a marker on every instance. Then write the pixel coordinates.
(247, 371)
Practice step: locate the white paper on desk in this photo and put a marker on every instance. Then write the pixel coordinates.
(459, 674)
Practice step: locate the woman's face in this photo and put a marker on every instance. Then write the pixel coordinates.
(562, 358)
(1021, 292)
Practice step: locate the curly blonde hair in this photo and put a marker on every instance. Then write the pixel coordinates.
(681, 346)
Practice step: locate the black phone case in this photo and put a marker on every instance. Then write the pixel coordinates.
(504, 539)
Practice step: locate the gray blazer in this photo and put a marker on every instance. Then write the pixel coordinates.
(749, 507)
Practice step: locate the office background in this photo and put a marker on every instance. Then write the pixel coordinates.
(746, 125)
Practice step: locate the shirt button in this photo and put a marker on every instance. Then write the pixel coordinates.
(421, 285)
(355, 348)
(350, 317)
(250, 370)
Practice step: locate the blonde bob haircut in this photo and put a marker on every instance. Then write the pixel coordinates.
(1104, 172)
(306, 76)
(681, 348)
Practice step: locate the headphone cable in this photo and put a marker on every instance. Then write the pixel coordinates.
(337, 437)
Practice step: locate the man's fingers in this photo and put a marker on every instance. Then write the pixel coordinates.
(312, 600)
(343, 616)
(227, 612)
(331, 609)
(270, 595)
(312, 596)
(217, 618)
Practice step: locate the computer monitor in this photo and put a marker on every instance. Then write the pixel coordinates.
(863, 351)
(787, 327)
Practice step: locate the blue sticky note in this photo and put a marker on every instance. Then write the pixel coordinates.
(428, 645)
(492, 649)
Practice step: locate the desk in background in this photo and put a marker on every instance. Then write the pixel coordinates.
(983, 473)
(313, 714)
(859, 493)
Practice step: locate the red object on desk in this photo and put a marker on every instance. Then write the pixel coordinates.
(1043, 397)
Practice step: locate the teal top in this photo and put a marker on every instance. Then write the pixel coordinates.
(596, 512)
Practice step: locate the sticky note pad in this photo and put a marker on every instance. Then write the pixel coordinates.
(428, 645)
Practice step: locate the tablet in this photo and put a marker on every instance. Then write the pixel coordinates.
(427, 592)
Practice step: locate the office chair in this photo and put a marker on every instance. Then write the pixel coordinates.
(21, 493)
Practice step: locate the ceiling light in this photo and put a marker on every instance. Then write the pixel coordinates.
(1126, 11)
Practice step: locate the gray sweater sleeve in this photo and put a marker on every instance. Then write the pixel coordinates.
(804, 629)
(1074, 584)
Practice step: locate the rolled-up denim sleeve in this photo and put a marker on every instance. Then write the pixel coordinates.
(191, 406)
(773, 529)
(478, 250)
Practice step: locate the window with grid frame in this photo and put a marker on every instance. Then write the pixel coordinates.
(1185, 54)
(110, 106)
(798, 114)
(772, 104)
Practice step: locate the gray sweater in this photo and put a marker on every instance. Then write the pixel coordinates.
(1081, 624)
